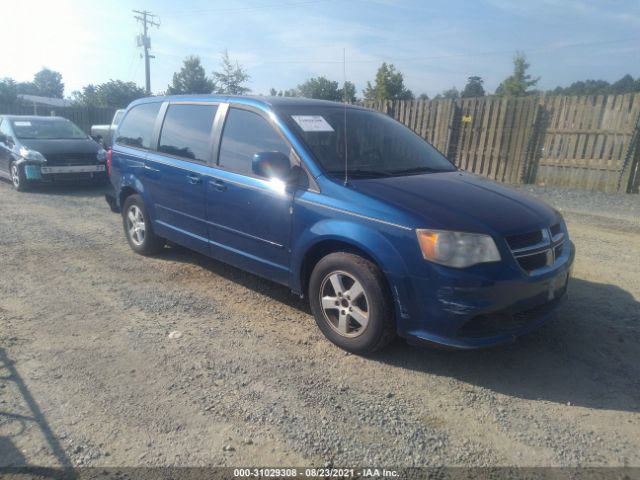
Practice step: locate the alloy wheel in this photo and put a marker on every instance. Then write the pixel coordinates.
(15, 175)
(135, 225)
(345, 305)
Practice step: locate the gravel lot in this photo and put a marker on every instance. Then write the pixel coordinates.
(94, 376)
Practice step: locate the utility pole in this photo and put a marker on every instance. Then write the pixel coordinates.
(147, 19)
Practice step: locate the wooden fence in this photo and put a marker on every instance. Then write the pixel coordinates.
(590, 142)
(82, 116)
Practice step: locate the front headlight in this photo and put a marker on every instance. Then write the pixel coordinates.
(31, 155)
(102, 155)
(457, 249)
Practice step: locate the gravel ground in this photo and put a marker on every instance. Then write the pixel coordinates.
(112, 359)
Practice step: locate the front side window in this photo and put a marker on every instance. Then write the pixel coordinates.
(186, 131)
(136, 129)
(46, 129)
(375, 144)
(245, 134)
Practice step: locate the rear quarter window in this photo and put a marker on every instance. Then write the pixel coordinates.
(136, 130)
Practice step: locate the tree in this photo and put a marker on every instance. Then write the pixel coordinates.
(423, 96)
(112, 94)
(473, 88)
(48, 83)
(389, 85)
(273, 92)
(230, 80)
(321, 88)
(8, 91)
(452, 93)
(518, 84)
(348, 92)
(625, 85)
(190, 79)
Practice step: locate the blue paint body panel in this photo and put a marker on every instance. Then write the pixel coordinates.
(270, 229)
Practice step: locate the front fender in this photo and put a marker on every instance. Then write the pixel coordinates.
(362, 237)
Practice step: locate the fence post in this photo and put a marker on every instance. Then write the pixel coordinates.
(454, 132)
(631, 160)
(534, 144)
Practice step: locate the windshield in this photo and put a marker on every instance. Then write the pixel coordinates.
(377, 145)
(46, 129)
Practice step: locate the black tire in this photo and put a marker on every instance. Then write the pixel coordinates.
(148, 243)
(18, 178)
(349, 334)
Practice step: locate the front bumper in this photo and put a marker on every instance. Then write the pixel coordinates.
(44, 173)
(463, 312)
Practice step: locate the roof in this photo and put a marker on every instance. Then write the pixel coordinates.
(48, 101)
(248, 99)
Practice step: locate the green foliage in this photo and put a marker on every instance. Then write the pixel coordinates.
(473, 88)
(320, 88)
(48, 83)
(112, 94)
(423, 96)
(626, 84)
(190, 79)
(452, 93)
(348, 92)
(273, 92)
(389, 85)
(8, 91)
(231, 79)
(518, 84)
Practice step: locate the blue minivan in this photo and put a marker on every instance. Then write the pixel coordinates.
(346, 206)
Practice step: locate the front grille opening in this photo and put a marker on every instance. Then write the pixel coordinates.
(559, 250)
(533, 262)
(504, 322)
(523, 240)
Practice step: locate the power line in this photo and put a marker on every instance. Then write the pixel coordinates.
(457, 55)
(147, 19)
(183, 12)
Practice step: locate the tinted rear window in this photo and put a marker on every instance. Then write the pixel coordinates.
(186, 131)
(136, 129)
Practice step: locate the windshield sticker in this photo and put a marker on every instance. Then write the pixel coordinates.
(22, 123)
(312, 123)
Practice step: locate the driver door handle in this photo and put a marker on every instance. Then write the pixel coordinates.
(218, 184)
(194, 178)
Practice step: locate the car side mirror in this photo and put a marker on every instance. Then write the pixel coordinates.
(271, 165)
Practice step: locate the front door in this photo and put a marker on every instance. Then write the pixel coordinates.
(249, 216)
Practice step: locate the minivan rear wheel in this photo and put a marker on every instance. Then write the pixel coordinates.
(138, 228)
(351, 304)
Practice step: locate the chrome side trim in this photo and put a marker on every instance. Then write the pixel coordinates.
(346, 212)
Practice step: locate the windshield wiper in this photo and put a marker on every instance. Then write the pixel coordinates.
(361, 173)
(408, 171)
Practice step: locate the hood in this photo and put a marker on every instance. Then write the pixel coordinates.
(62, 146)
(461, 201)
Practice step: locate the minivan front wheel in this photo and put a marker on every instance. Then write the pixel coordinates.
(350, 303)
(138, 229)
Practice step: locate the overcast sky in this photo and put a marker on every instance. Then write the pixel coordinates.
(435, 44)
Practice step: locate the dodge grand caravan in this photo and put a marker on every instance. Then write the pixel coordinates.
(346, 206)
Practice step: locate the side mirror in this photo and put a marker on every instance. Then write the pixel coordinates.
(271, 165)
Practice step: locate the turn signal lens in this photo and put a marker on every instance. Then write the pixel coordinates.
(457, 249)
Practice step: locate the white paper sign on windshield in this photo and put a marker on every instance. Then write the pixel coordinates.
(22, 123)
(312, 123)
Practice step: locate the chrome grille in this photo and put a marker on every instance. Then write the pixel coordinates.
(537, 249)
